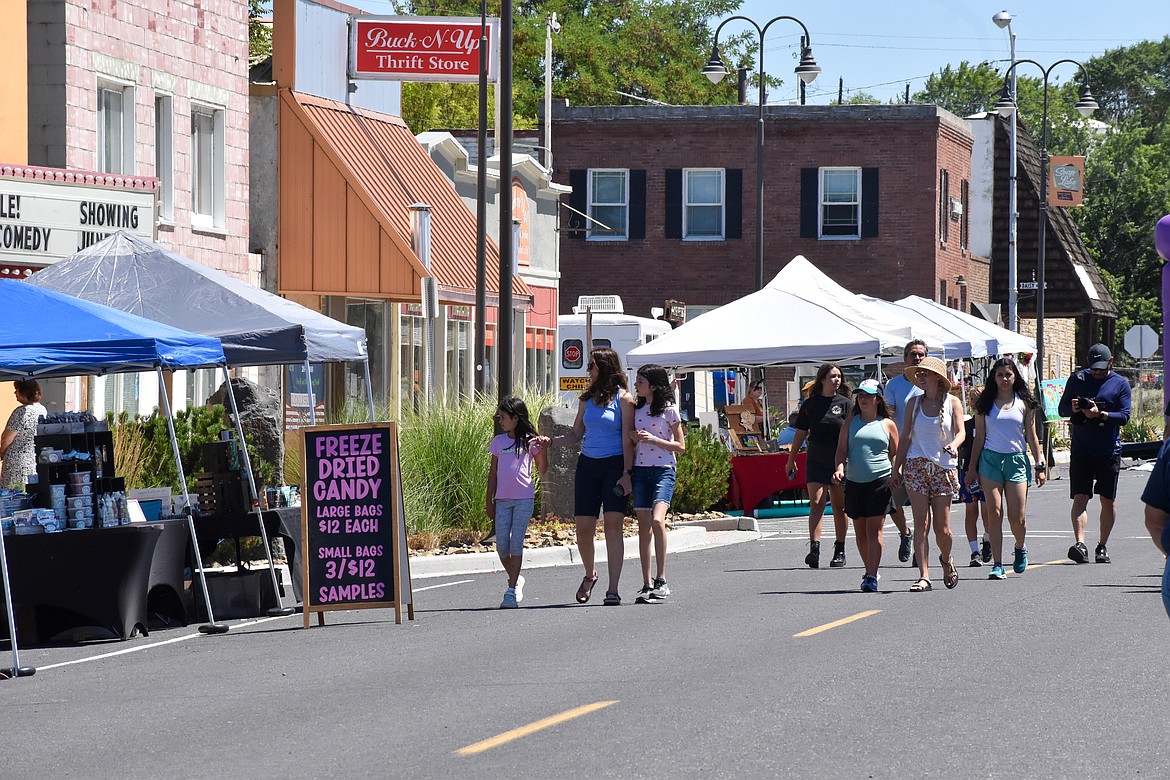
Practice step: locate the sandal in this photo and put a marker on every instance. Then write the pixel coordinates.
(586, 589)
(921, 586)
(612, 599)
(950, 573)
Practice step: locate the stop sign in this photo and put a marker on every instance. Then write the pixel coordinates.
(1141, 341)
(572, 354)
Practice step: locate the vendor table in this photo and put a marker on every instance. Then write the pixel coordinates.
(94, 577)
(285, 522)
(754, 477)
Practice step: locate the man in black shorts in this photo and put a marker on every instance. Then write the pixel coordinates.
(1098, 402)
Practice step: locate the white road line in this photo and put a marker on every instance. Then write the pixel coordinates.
(444, 585)
(138, 648)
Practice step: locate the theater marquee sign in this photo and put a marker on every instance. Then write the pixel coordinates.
(420, 48)
(47, 215)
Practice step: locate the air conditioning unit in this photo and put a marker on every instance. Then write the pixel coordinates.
(607, 304)
(956, 208)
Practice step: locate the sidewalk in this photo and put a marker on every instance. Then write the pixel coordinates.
(692, 537)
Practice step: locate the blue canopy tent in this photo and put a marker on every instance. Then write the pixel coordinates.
(48, 334)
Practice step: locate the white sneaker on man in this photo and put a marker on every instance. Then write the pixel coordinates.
(519, 588)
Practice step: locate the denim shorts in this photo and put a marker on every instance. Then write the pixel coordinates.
(653, 484)
(1005, 467)
(593, 487)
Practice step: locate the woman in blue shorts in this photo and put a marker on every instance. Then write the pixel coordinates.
(604, 424)
(1005, 425)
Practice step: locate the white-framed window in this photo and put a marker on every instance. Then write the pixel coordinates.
(703, 204)
(164, 154)
(115, 103)
(207, 167)
(609, 204)
(840, 200)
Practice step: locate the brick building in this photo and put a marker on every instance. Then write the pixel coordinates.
(875, 196)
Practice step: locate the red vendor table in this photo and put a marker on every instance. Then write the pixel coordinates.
(755, 477)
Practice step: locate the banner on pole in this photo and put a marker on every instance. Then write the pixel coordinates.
(1066, 179)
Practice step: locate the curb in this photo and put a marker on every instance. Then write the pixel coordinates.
(422, 567)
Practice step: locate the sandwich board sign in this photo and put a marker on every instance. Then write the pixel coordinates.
(353, 533)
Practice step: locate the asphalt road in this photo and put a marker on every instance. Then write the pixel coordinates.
(1059, 672)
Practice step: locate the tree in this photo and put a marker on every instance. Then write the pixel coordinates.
(259, 35)
(963, 91)
(650, 49)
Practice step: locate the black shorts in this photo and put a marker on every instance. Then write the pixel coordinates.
(593, 487)
(867, 499)
(1084, 470)
(821, 473)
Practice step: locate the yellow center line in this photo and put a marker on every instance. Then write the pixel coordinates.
(1060, 562)
(532, 728)
(835, 623)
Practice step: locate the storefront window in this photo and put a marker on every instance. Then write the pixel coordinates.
(458, 354)
(410, 341)
(371, 317)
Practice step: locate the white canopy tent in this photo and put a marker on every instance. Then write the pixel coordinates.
(959, 340)
(1000, 341)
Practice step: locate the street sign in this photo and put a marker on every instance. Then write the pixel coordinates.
(1030, 286)
(1141, 341)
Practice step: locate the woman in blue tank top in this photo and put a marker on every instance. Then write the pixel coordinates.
(605, 420)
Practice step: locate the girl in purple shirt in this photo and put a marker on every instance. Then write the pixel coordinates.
(510, 491)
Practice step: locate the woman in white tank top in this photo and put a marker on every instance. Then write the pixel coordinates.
(927, 462)
(1005, 425)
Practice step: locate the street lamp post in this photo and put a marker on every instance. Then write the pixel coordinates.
(807, 70)
(1006, 107)
(1004, 19)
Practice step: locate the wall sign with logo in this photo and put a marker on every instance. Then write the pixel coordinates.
(1066, 178)
(44, 220)
(420, 48)
(353, 536)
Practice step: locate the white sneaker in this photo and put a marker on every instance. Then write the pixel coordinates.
(660, 589)
(519, 588)
(509, 601)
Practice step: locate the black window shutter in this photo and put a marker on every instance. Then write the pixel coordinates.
(637, 204)
(733, 200)
(673, 203)
(869, 202)
(809, 201)
(578, 199)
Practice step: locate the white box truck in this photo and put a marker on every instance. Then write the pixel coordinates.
(612, 328)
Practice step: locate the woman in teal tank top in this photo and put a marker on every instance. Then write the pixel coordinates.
(865, 452)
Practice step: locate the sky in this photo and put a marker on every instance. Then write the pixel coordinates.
(878, 46)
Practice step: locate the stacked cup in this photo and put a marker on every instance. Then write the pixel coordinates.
(79, 495)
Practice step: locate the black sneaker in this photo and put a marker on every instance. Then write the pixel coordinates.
(975, 561)
(644, 596)
(838, 555)
(1101, 554)
(1078, 553)
(986, 552)
(813, 559)
(904, 547)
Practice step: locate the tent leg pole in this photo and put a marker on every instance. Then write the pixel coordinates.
(251, 477)
(211, 627)
(312, 399)
(369, 389)
(17, 670)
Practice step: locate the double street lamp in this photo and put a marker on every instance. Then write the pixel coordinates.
(1005, 108)
(807, 71)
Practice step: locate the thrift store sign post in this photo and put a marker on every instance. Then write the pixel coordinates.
(353, 534)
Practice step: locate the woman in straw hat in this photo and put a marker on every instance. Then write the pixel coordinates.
(932, 431)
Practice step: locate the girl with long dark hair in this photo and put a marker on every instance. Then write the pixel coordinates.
(1005, 427)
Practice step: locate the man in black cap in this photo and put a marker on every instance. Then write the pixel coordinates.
(1098, 402)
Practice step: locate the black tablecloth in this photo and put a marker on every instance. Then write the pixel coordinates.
(95, 577)
(285, 523)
